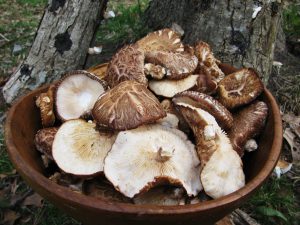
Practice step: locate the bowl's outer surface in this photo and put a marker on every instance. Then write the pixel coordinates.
(23, 121)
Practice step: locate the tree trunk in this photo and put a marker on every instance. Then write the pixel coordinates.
(241, 33)
(61, 44)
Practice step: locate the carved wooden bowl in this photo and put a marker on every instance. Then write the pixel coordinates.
(23, 121)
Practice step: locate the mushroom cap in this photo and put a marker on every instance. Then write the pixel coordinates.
(222, 170)
(127, 106)
(240, 88)
(207, 62)
(79, 149)
(149, 155)
(164, 40)
(248, 122)
(157, 72)
(205, 84)
(223, 173)
(44, 139)
(77, 93)
(126, 64)
(168, 88)
(99, 70)
(209, 104)
(178, 65)
(45, 102)
(171, 120)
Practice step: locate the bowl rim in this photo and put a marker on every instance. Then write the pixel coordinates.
(73, 198)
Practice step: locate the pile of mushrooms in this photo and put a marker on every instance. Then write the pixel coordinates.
(159, 124)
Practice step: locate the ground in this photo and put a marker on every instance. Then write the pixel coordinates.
(277, 202)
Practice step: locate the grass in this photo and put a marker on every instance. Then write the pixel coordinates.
(291, 17)
(275, 203)
(126, 27)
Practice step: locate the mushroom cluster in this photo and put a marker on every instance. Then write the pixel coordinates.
(159, 124)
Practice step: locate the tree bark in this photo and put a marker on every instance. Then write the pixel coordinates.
(237, 36)
(61, 44)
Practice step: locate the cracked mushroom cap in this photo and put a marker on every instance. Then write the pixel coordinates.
(127, 106)
(77, 93)
(207, 62)
(99, 70)
(79, 149)
(45, 102)
(168, 88)
(240, 88)
(164, 40)
(44, 139)
(126, 64)
(151, 155)
(178, 65)
(222, 169)
(209, 104)
(248, 123)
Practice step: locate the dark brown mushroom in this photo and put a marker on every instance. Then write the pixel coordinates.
(209, 104)
(248, 123)
(178, 65)
(240, 88)
(207, 62)
(126, 64)
(127, 106)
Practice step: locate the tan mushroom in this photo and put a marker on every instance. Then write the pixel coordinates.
(209, 104)
(240, 88)
(157, 72)
(150, 155)
(222, 169)
(45, 103)
(99, 70)
(178, 65)
(208, 64)
(127, 106)
(248, 123)
(77, 93)
(164, 40)
(126, 64)
(168, 88)
(79, 149)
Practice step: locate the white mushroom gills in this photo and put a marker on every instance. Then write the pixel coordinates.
(142, 156)
(79, 149)
(169, 88)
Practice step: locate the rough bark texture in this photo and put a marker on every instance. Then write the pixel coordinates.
(228, 26)
(61, 44)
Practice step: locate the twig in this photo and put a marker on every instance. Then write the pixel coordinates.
(4, 37)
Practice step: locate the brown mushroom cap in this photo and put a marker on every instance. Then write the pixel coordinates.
(126, 64)
(178, 65)
(205, 84)
(240, 88)
(207, 62)
(165, 40)
(45, 102)
(44, 139)
(209, 104)
(248, 123)
(77, 93)
(127, 106)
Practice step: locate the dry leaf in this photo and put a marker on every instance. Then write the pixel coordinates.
(10, 217)
(294, 143)
(34, 199)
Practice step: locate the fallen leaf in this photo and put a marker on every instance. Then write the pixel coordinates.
(34, 199)
(294, 143)
(9, 217)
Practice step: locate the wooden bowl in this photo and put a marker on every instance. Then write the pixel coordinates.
(23, 121)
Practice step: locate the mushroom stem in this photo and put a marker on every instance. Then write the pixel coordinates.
(163, 155)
